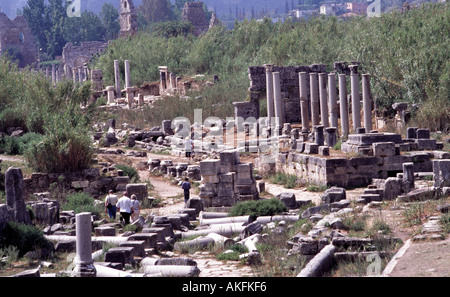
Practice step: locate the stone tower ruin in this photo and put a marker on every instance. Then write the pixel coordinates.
(193, 12)
(127, 19)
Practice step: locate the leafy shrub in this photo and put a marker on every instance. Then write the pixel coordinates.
(287, 180)
(263, 207)
(65, 147)
(24, 237)
(445, 222)
(129, 171)
(82, 202)
(18, 145)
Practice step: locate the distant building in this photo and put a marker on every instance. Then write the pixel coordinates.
(16, 38)
(331, 8)
(301, 14)
(359, 8)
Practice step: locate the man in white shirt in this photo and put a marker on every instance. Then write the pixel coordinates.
(124, 206)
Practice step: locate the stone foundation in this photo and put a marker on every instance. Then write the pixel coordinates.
(347, 172)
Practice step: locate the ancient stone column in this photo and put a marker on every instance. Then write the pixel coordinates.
(14, 193)
(343, 104)
(85, 72)
(304, 102)
(313, 86)
(130, 96)
(140, 99)
(74, 75)
(332, 100)
(269, 92)
(80, 74)
(173, 81)
(117, 78)
(323, 99)
(319, 138)
(408, 175)
(367, 102)
(278, 101)
(331, 136)
(356, 105)
(53, 74)
(110, 93)
(83, 261)
(127, 74)
(47, 72)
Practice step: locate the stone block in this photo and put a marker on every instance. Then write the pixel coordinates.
(334, 194)
(227, 177)
(150, 239)
(196, 203)
(222, 201)
(411, 132)
(140, 190)
(307, 246)
(311, 148)
(124, 255)
(246, 189)
(392, 188)
(244, 171)
(191, 212)
(367, 198)
(210, 179)
(105, 231)
(210, 167)
(383, 149)
(138, 246)
(423, 133)
(426, 144)
(288, 199)
(441, 171)
(261, 186)
(324, 151)
(379, 192)
(228, 159)
(161, 232)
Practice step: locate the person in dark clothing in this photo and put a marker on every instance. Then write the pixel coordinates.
(186, 186)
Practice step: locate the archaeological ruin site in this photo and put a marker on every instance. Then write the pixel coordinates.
(310, 177)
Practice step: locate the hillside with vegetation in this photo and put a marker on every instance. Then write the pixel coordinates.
(406, 55)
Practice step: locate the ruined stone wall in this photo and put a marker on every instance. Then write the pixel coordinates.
(16, 34)
(77, 56)
(193, 12)
(289, 82)
(89, 181)
(349, 172)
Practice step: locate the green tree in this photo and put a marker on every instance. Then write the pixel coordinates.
(56, 14)
(110, 19)
(157, 11)
(88, 27)
(35, 14)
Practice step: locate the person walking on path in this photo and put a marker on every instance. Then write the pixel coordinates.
(110, 204)
(124, 206)
(188, 147)
(136, 208)
(186, 186)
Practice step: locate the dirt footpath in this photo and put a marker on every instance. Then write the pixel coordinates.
(424, 259)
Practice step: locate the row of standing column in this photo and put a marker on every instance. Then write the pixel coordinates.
(323, 100)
